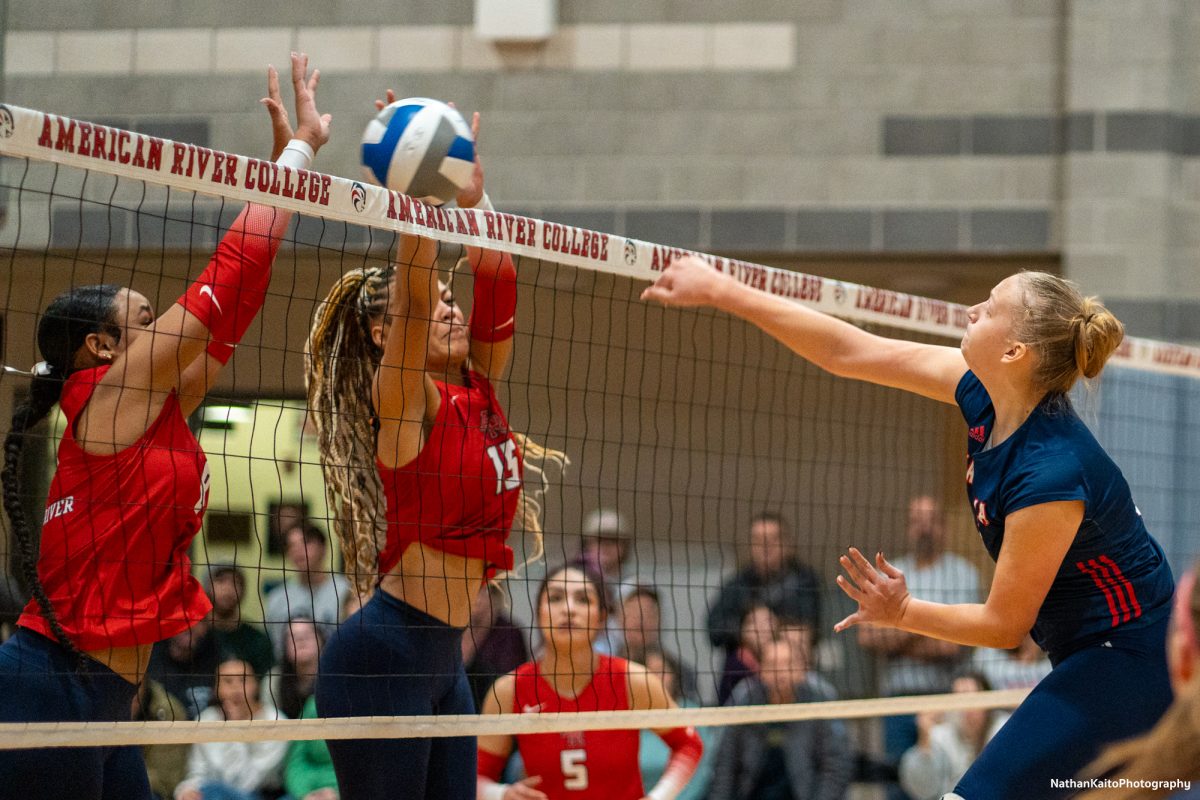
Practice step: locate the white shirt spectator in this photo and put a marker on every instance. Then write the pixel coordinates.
(245, 766)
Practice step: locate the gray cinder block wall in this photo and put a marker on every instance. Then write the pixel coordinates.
(844, 126)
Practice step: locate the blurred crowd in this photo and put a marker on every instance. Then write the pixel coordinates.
(763, 621)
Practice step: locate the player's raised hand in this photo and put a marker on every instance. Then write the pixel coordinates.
(880, 591)
(687, 281)
(311, 125)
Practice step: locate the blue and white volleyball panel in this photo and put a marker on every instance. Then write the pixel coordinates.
(420, 147)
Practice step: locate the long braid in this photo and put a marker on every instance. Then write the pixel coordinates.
(43, 395)
(64, 327)
(340, 361)
(529, 502)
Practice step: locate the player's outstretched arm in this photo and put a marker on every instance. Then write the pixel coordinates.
(833, 345)
(403, 391)
(266, 224)
(1036, 540)
(212, 315)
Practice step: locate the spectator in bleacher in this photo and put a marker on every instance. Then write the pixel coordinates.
(235, 638)
(234, 770)
(295, 679)
(641, 615)
(185, 665)
(775, 578)
(758, 626)
(308, 771)
(947, 744)
(166, 764)
(1019, 668)
(913, 664)
(310, 589)
(605, 554)
(811, 759)
(492, 644)
(653, 753)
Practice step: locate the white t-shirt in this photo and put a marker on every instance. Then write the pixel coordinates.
(950, 579)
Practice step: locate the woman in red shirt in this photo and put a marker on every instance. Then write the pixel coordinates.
(572, 677)
(129, 492)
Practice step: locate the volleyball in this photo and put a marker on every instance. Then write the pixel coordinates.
(420, 147)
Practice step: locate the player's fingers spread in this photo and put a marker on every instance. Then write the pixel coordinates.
(314, 81)
(855, 571)
(886, 567)
(848, 622)
(864, 566)
(850, 588)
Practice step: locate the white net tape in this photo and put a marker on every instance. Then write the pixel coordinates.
(85, 734)
(47, 137)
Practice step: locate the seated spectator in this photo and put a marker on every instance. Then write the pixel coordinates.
(641, 618)
(604, 554)
(1019, 668)
(185, 665)
(311, 588)
(775, 578)
(295, 679)
(911, 664)
(758, 626)
(1171, 750)
(226, 587)
(234, 770)
(782, 761)
(166, 764)
(653, 753)
(308, 772)
(492, 645)
(947, 744)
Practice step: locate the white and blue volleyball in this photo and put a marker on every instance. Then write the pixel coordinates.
(420, 147)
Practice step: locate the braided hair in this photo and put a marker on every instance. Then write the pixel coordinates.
(341, 358)
(65, 325)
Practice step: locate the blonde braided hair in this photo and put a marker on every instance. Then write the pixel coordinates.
(340, 362)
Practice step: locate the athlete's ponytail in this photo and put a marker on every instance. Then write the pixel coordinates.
(62, 331)
(1072, 335)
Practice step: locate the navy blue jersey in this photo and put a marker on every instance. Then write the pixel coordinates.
(1114, 576)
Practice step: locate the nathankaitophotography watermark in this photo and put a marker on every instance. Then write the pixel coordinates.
(1120, 783)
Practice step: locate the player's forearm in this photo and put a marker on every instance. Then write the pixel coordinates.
(971, 624)
(826, 341)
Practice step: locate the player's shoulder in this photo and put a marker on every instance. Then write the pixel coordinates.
(503, 694)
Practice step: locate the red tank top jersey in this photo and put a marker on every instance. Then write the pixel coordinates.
(116, 532)
(459, 495)
(580, 765)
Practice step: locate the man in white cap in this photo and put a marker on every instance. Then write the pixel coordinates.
(605, 549)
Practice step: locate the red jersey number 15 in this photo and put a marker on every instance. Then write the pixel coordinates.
(504, 459)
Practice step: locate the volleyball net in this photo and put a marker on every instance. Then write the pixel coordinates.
(713, 477)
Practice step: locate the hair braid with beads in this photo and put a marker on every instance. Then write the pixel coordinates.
(62, 330)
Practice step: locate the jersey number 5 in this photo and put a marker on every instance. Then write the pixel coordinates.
(575, 776)
(504, 459)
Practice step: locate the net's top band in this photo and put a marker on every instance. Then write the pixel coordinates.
(85, 145)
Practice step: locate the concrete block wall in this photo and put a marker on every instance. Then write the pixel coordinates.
(851, 126)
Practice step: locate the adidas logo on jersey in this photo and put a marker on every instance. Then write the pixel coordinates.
(978, 433)
(534, 709)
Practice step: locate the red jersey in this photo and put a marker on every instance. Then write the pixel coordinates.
(580, 765)
(459, 495)
(116, 532)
